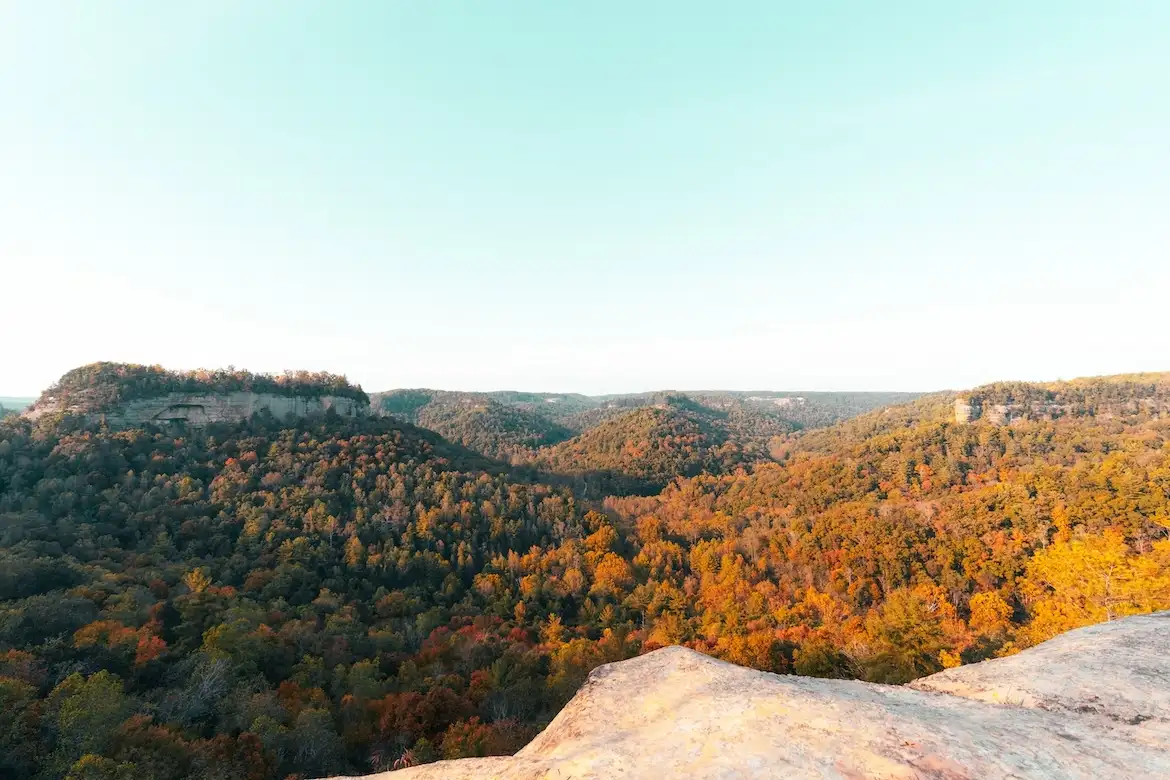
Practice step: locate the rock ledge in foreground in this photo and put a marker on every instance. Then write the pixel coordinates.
(1092, 703)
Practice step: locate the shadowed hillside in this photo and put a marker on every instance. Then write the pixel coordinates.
(475, 420)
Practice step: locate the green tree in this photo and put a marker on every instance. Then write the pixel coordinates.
(92, 767)
(88, 712)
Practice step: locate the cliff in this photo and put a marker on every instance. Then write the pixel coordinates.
(1121, 396)
(125, 394)
(205, 408)
(1090, 704)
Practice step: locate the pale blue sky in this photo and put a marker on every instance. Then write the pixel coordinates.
(587, 196)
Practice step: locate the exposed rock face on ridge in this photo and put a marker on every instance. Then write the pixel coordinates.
(205, 408)
(676, 713)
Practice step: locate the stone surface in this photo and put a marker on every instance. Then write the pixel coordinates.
(1118, 672)
(1076, 707)
(217, 407)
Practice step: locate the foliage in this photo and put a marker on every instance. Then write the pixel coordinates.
(474, 420)
(527, 427)
(642, 450)
(351, 595)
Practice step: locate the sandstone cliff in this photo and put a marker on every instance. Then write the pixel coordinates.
(205, 408)
(1090, 704)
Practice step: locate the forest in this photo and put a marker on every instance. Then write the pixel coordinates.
(306, 597)
(623, 443)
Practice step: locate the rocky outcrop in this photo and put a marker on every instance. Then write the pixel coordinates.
(1116, 672)
(966, 410)
(1089, 704)
(971, 408)
(203, 409)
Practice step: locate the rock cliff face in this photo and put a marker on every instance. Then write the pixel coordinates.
(972, 407)
(202, 409)
(1093, 703)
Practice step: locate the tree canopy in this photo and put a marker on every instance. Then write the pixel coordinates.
(344, 595)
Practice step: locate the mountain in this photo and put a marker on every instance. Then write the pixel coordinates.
(1100, 711)
(475, 420)
(638, 444)
(643, 449)
(623, 443)
(319, 594)
(558, 407)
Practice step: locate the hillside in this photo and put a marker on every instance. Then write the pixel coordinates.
(212, 599)
(799, 409)
(557, 407)
(474, 420)
(905, 513)
(644, 449)
(325, 594)
(624, 443)
(675, 713)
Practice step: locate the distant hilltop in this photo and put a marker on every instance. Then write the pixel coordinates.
(1005, 403)
(131, 394)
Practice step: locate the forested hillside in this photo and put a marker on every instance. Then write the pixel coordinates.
(334, 595)
(642, 450)
(624, 443)
(475, 420)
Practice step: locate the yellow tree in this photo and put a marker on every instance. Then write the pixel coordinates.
(1091, 580)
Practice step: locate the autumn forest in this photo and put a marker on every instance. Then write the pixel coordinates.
(299, 597)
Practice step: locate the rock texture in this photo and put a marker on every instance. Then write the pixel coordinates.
(208, 408)
(1116, 672)
(1089, 704)
(971, 408)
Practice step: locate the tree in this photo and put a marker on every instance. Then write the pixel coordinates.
(19, 713)
(1093, 579)
(88, 712)
(990, 614)
(907, 636)
(93, 767)
(317, 747)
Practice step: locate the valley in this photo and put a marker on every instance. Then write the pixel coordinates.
(435, 575)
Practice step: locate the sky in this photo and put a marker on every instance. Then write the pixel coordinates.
(591, 196)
